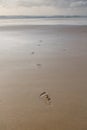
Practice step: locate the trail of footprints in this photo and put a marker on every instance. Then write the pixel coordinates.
(44, 95)
(32, 53)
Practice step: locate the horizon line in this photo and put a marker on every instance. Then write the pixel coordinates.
(40, 16)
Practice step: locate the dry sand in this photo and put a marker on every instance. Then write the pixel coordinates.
(37, 59)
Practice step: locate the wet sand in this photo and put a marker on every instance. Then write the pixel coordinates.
(35, 60)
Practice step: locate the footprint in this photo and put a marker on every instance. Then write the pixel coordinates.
(45, 97)
(39, 65)
(38, 45)
(40, 40)
(64, 49)
(32, 52)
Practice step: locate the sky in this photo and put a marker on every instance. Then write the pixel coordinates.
(43, 7)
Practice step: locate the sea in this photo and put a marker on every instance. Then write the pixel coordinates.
(43, 20)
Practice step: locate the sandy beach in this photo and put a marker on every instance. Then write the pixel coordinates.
(43, 58)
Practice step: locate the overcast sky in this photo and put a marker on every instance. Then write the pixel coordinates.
(43, 7)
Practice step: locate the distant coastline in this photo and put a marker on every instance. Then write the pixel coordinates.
(36, 17)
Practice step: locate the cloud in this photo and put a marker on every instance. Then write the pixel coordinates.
(53, 3)
(79, 4)
(44, 7)
(37, 2)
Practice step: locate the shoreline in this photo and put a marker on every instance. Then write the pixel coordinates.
(26, 27)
